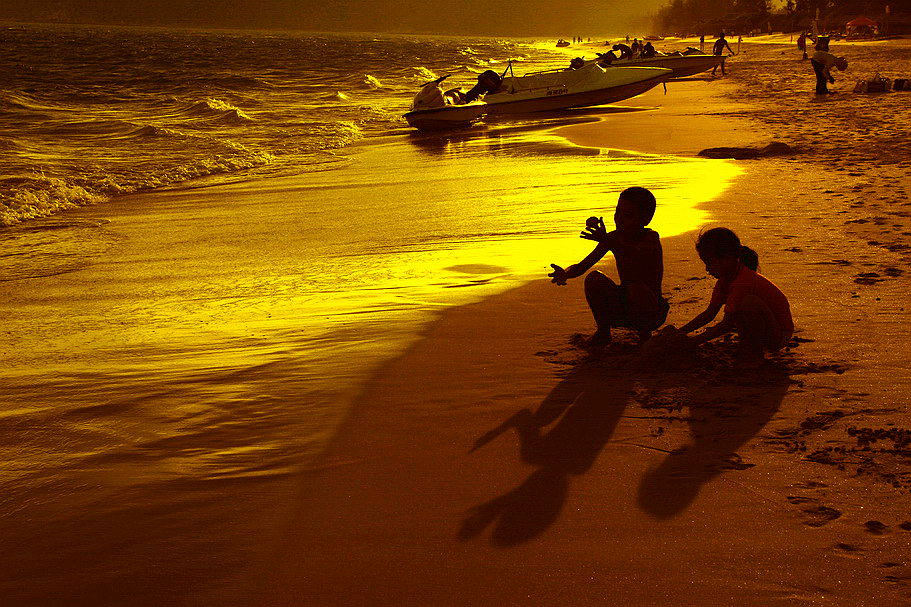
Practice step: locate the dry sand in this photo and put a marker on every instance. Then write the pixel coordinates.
(496, 463)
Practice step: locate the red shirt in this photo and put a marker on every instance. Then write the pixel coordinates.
(748, 282)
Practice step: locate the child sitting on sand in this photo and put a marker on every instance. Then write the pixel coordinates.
(635, 303)
(753, 306)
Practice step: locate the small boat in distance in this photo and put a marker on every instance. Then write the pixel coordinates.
(561, 43)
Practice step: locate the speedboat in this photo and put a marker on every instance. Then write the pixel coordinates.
(681, 65)
(588, 85)
(433, 109)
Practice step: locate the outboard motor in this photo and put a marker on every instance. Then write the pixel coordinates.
(488, 82)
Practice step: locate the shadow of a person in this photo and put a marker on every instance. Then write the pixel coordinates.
(588, 403)
(723, 417)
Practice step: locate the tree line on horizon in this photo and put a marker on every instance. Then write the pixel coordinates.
(707, 16)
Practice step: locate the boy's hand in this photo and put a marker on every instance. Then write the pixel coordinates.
(594, 231)
(558, 276)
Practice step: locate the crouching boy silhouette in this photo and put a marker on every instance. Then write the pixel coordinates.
(636, 303)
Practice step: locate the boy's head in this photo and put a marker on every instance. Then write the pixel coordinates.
(635, 208)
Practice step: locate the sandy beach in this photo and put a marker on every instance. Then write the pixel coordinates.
(438, 437)
(699, 486)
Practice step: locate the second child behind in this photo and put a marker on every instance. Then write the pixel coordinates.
(754, 307)
(635, 303)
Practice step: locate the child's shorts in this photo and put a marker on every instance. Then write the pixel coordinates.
(627, 320)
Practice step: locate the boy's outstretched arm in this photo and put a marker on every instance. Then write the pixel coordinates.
(597, 233)
(561, 275)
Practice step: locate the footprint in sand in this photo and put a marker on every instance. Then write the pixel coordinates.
(799, 499)
(848, 550)
(817, 516)
(876, 527)
(868, 278)
(898, 580)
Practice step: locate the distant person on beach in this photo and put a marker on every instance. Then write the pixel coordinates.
(754, 307)
(802, 44)
(702, 42)
(718, 51)
(635, 48)
(635, 303)
(823, 61)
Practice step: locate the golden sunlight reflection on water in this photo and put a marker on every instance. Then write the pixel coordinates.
(289, 290)
(211, 339)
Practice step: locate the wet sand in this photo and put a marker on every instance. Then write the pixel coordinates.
(177, 358)
(496, 463)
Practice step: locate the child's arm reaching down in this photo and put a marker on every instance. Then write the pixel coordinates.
(705, 317)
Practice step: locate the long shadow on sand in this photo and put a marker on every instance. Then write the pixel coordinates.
(588, 403)
(582, 412)
(724, 413)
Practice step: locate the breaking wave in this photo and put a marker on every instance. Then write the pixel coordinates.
(108, 121)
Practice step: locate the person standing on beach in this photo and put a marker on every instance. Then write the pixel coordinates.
(823, 61)
(702, 42)
(754, 307)
(802, 44)
(718, 51)
(635, 303)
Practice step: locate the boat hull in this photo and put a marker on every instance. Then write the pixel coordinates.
(682, 66)
(448, 117)
(572, 99)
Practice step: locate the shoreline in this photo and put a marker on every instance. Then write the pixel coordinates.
(189, 332)
(402, 512)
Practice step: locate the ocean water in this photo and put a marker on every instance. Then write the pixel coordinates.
(257, 232)
(88, 113)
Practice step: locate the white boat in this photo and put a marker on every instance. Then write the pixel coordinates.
(588, 85)
(544, 91)
(433, 109)
(681, 65)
